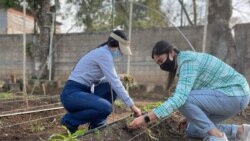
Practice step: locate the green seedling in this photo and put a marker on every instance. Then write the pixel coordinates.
(150, 106)
(68, 136)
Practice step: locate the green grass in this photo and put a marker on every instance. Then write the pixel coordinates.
(6, 95)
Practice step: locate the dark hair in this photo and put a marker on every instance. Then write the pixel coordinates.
(112, 42)
(163, 47)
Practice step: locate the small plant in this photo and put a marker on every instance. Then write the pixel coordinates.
(151, 135)
(150, 106)
(97, 133)
(37, 127)
(119, 103)
(128, 81)
(68, 136)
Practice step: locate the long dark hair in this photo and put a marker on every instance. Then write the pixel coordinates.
(111, 42)
(163, 47)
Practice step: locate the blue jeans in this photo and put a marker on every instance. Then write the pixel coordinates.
(206, 109)
(84, 107)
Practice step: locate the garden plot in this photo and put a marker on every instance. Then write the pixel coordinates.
(42, 125)
(118, 131)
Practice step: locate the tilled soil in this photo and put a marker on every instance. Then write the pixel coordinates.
(162, 131)
(41, 125)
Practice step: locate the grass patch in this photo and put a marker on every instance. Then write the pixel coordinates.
(6, 96)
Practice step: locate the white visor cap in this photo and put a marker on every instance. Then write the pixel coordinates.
(123, 44)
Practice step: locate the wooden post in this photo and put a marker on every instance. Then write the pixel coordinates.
(13, 78)
(44, 89)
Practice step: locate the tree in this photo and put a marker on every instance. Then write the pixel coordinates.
(146, 14)
(220, 38)
(38, 49)
(185, 13)
(97, 15)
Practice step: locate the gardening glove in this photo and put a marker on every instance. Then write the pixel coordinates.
(136, 110)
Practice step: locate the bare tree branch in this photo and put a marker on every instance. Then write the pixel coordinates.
(185, 11)
(195, 13)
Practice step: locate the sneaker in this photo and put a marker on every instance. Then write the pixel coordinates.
(213, 138)
(246, 134)
(72, 129)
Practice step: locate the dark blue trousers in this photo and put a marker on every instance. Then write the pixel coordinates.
(84, 107)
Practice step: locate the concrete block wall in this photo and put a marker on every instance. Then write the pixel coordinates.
(70, 47)
(11, 55)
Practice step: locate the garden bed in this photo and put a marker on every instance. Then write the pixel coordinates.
(42, 125)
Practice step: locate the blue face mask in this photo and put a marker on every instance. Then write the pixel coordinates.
(116, 53)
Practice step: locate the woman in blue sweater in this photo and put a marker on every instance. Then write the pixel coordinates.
(208, 92)
(87, 94)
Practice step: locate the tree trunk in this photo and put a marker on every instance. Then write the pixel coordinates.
(221, 41)
(42, 46)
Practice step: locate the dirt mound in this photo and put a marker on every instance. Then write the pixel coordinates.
(164, 130)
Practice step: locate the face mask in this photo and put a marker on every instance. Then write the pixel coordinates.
(116, 53)
(168, 65)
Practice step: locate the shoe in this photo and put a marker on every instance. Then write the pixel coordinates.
(213, 138)
(72, 129)
(246, 134)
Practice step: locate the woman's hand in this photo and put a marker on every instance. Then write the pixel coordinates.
(136, 110)
(138, 123)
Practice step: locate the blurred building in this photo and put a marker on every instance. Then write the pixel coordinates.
(11, 22)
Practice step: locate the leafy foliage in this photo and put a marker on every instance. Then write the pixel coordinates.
(10, 3)
(105, 15)
(68, 136)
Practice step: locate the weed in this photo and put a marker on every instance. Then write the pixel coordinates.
(36, 127)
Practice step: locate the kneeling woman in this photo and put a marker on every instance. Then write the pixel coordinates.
(85, 105)
(208, 92)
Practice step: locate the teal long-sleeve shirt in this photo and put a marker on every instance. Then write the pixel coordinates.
(202, 71)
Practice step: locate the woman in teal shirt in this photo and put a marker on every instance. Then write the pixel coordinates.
(208, 92)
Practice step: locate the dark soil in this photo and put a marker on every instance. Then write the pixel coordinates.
(41, 125)
(165, 130)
